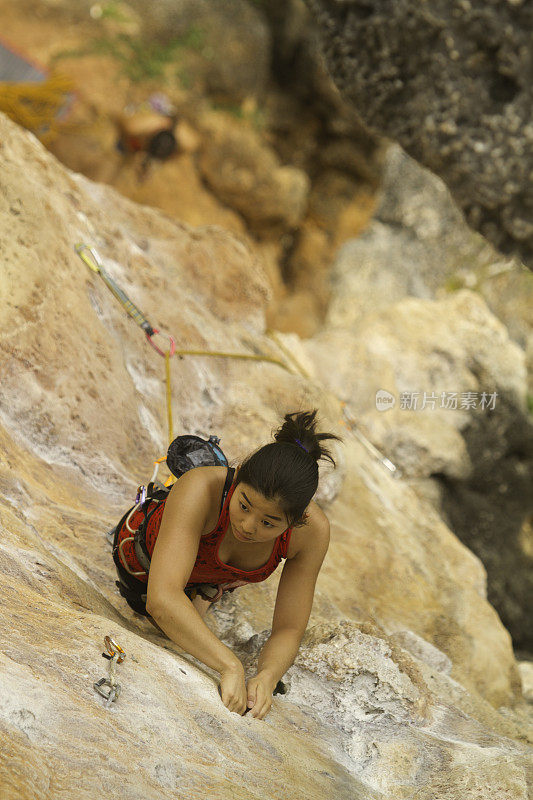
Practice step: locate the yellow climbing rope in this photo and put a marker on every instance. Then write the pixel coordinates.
(91, 258)
(169, 398)
(219, 354)
(36, 106)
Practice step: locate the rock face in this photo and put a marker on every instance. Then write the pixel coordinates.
(451, 82)
(248, 177)
(266, 145)
(405, 663)
(402, 316)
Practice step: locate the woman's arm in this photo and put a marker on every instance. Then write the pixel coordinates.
(294, 601)
(185, 515)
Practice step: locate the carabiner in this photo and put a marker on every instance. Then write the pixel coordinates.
(96, 264)
(172, 348)
(141, 495)
(111, 695)
(114, 649)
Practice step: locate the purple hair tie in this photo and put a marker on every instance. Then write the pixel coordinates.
(301, 445)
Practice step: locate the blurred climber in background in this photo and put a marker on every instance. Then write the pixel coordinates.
(148, 129)
(147, 132)
(220, 528)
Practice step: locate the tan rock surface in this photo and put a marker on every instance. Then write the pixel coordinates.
(419, 245)
(396, 688)
(248, 176)
(289, 133)
(454, 344)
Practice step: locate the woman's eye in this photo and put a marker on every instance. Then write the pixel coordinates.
(265, 522)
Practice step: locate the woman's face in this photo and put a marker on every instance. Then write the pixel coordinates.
(253, 518)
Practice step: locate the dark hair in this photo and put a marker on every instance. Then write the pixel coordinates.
(287, 470)
(162, 145)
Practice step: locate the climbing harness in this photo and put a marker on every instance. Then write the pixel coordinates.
(145, 497)
(108, 687)
(184, 453)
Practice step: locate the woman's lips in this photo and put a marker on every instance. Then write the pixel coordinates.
(241, 536)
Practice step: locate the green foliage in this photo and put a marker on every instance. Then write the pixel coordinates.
(184, 77)
(114, 12)
(256, 116)
(530, 403)
(140, 59)
(454, 283)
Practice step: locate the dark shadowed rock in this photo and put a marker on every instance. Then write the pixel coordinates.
(487, 511)
(451, 82)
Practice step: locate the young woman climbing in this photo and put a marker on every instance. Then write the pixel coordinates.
(221, 528)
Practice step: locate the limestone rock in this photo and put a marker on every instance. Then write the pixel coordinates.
(419, 245)
(409, 307)
(526, 674)
(355, 678)
(374, 685)
(345, 143)
(82, 416)
(452, 84)
(249, 177)
(412, 347)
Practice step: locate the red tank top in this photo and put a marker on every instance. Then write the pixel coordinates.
(208, 567)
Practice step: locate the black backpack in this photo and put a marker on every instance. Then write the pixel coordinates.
(187, 452)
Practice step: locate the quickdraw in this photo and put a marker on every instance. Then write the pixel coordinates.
(90, 257)
(108, 688)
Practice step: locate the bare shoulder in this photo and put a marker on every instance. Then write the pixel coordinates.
(201, 484)
(211, 480)
(206, 477)
(196, 493)
(216, 478)
(313, 536)
(316, 517)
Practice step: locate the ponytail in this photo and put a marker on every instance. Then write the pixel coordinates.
(299, 428)
(286, 470)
